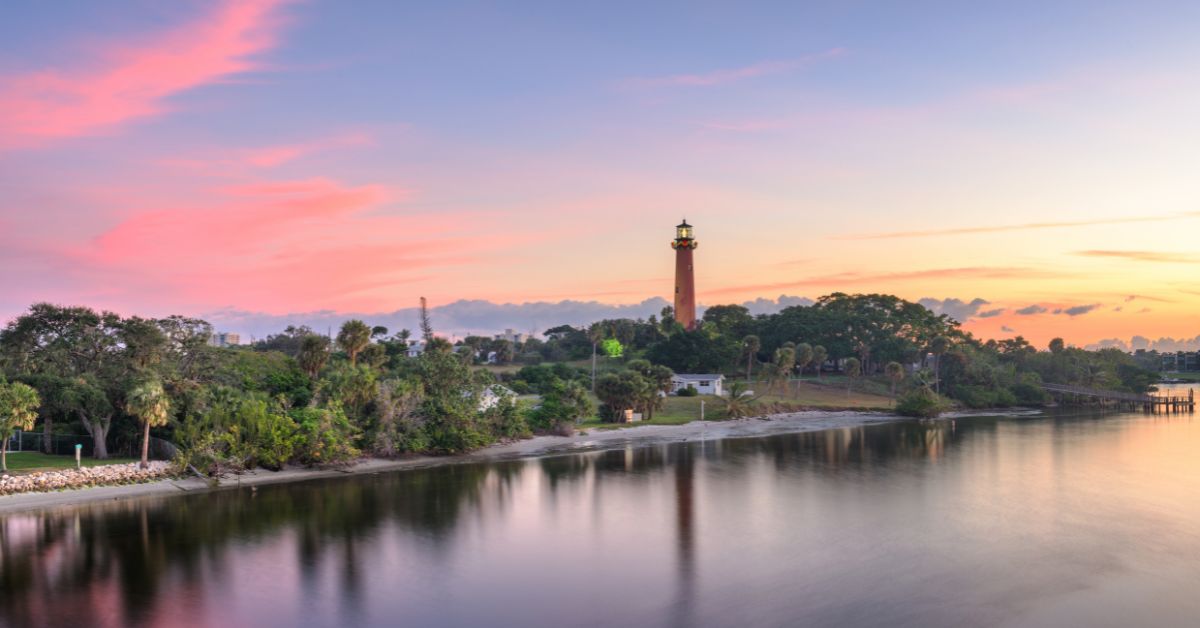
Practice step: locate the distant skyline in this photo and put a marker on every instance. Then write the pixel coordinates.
(1028, 166)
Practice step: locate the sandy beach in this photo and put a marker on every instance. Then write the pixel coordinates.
(539, 446)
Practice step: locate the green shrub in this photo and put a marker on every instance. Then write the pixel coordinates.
(564, 403)
(398, 426)
(271, 436)
(1028, 394)
(687, 391)
(921, 402)
(325, 436)
(975, 396)
(1005, 398)
(507, 419)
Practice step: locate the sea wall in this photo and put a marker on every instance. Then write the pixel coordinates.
(103, 475)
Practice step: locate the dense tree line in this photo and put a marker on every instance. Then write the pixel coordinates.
(300, 396)
(294, 397)
(877, 335)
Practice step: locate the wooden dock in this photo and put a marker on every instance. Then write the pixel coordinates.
(1079, 395)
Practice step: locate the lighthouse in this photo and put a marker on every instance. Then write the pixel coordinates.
(685, 279)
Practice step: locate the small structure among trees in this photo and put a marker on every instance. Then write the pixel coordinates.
(704, 384)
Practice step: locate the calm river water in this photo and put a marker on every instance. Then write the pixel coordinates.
(1021, 521)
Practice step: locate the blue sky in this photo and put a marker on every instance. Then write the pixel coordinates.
(279, 157)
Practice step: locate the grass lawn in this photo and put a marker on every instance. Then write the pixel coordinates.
(29, 461)
(676, 411)
(865, 395)
(829, 395)
(1191, 377)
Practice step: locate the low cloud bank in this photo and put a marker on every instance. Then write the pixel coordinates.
(958, 309)
(465, 317)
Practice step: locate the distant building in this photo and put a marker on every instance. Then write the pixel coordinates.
(512, 336)
(225, 339)
(1182, 361)
(705, 384)
(416, 348)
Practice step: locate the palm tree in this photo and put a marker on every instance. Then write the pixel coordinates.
(738, 401)
(149, 403)
(18, 411)
(938, 347)
(853, 368)
(595, 333)
(750, 346)
(353, 337)
(785, 362)
(895, 374)
(314, 352)
(804, 357)
(819, 356)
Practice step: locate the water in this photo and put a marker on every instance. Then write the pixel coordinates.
(1021, 521)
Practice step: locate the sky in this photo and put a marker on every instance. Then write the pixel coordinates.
(1028, 167)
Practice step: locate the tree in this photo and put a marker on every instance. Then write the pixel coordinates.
(729, 320)
(595, 334)
(353, 337)
(505, 351)
(96, 414)
(819, 355)
(895, 374)
(563, 403)
(426, 323)
(18, 411)
(438, 345)
(1057, 346)
(622, 391)
(144, 341)
(661, 381)
(853, 368)
(750, 346)
(804, 357)
(314, 353)
(782, 365)
(938, 347)
(738, 400)
(451, 404)
(288, 341)
(147, 401)
(699, 351)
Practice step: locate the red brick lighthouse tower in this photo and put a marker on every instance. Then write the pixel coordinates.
(685, 279)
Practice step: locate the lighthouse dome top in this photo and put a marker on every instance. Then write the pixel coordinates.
(683, 231)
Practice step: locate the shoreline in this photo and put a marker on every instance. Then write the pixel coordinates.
(531, 448)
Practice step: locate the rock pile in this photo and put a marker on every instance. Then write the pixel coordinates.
(105, 475)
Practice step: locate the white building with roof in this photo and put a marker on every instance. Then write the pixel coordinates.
(704, 383)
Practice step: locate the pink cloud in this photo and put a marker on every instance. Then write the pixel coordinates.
(131, 82)
(729, 75)
(271, 156)
(273, 246)
(254, 215)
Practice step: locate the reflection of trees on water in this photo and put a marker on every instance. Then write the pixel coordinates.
(871, 446)
(107, 564)
(113, 564)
